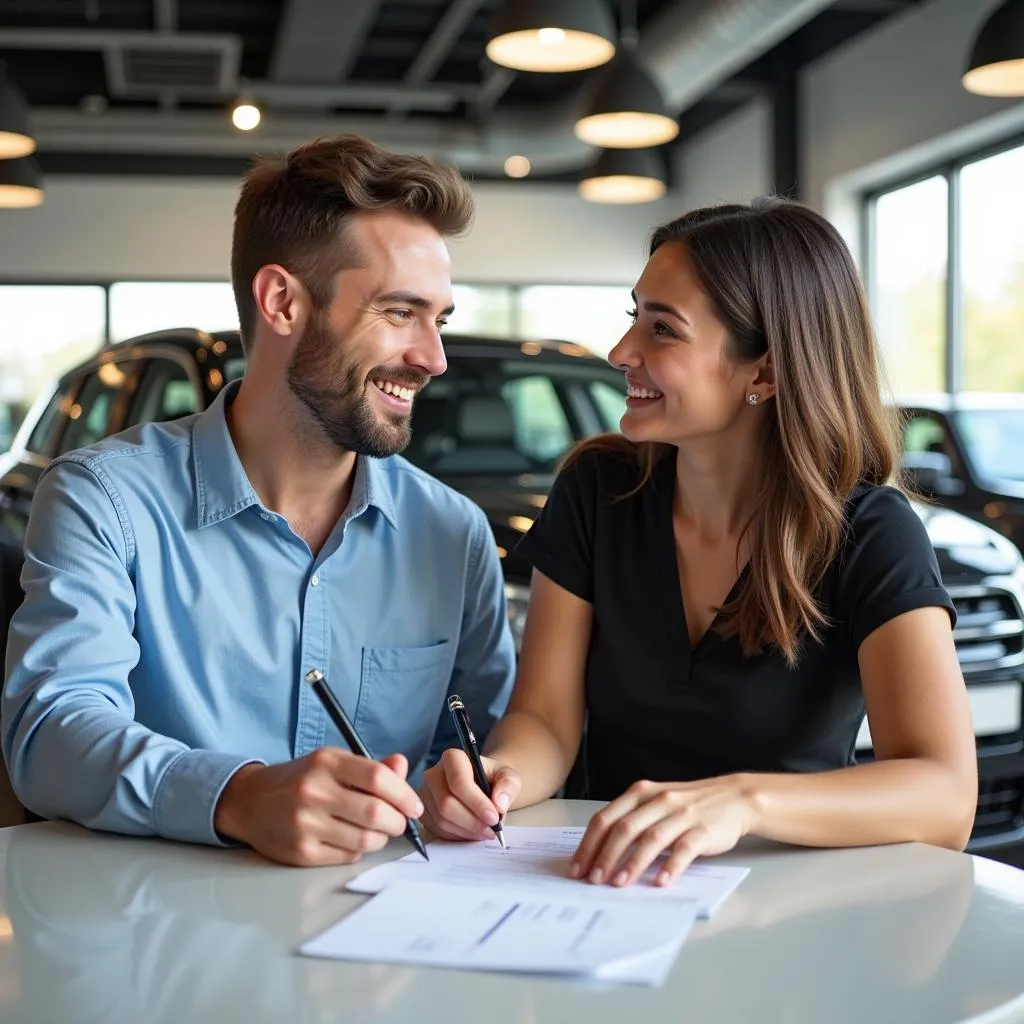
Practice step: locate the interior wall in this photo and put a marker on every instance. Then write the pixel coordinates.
(108, 229)
(890, 102)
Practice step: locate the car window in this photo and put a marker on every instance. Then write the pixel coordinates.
(95, 412)
(923, 433)
(540, 426)
(994, 439)
(165, 392)
(499, 416)
(41, 438)
(610, 402)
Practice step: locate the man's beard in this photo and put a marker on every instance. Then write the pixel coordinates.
(335, 392)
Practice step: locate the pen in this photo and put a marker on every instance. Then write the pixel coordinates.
(336, 712)
(468, 741)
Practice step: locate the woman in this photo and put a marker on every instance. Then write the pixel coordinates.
(719, 592)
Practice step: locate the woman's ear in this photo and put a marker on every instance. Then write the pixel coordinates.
(764, 377)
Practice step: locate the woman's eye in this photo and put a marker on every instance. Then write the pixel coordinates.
(660, 327)
(632, 314)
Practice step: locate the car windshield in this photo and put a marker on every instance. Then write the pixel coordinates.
(995, 441)
(500, 416)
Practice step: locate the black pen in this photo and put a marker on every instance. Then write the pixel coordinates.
(468, 741)
(336, 712)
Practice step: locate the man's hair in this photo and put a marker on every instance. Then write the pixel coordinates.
(294, 211)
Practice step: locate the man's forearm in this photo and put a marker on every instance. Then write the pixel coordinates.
(524, 742)
(88, 763)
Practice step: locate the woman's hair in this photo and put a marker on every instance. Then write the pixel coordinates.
(294, 210)
(782, 281)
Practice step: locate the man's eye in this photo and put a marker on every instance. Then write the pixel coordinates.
(442, 323)
(401, 314)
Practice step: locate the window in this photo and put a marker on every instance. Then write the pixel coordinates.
(994, 439)
(137, 307)
(484, 310)
(96, 412)
(42, 434)
(909, 262)
(590, 315)
(46, 329)
(165, 392)
(492, 416)
(952, 320)
(992, 269)
(610, 402)
(541, 428)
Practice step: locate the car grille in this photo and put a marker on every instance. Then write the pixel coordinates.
(989, 632)
(1000, 806)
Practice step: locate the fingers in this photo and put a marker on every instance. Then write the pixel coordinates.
(505, 787)
(442, 827)
(686, 849)
(642, 835)
(372, 777)
(398, 763)
(583, 860)
(471, 804)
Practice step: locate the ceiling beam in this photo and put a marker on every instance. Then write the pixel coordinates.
(319, 41)
(438, 45)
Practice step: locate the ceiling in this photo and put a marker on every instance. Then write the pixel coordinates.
(145, 86)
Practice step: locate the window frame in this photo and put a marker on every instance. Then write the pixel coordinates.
(953, 341)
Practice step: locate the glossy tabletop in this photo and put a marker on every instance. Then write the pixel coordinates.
(108, 929)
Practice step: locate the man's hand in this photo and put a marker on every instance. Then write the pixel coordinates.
(329, 807)
(456, 807)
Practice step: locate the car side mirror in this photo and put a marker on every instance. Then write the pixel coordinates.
(931, 474)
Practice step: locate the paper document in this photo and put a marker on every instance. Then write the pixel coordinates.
(538, 858)
(512, 929)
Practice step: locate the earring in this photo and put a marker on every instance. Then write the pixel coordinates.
(753, 398)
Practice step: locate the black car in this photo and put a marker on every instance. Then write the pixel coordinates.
(494, 427)
(966, 452)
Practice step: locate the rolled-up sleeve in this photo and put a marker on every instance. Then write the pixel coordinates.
(72, 745)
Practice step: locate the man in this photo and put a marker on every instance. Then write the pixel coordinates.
(182, 578)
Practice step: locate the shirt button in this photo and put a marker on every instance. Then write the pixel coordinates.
(314, 581)
(264, 516)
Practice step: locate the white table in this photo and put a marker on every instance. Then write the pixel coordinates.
(108, 930)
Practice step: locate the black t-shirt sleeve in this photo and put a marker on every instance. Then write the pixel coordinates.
(889, 566)
(560, 544)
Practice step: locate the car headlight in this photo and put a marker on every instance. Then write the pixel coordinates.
(517, 597)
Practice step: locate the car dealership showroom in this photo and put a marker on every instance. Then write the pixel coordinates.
(289, 626)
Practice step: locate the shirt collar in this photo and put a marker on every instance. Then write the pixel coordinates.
(223, 489)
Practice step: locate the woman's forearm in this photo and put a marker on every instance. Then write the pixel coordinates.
(895, 801)
(524, 742)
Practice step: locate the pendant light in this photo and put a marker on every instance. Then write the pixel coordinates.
(625, 176)
(551, 35)
(626, 109)
(996, 64)
(20, 184)
(15, 138)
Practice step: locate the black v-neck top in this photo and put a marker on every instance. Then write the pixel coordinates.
(657, 709)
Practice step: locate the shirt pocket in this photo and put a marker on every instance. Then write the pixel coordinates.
(402, 692)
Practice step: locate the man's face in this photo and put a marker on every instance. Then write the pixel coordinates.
(362, 360)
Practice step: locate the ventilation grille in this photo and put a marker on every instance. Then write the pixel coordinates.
(1000, 806)
(989, 632)
(194, 66)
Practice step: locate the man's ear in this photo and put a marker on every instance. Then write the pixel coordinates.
(764, 376)
(281, 299)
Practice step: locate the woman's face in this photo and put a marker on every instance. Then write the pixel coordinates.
(682, 384)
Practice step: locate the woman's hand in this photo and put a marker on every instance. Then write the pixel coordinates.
(683, 819)
(455, 807)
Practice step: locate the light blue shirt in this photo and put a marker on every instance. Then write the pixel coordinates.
(170, 618)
